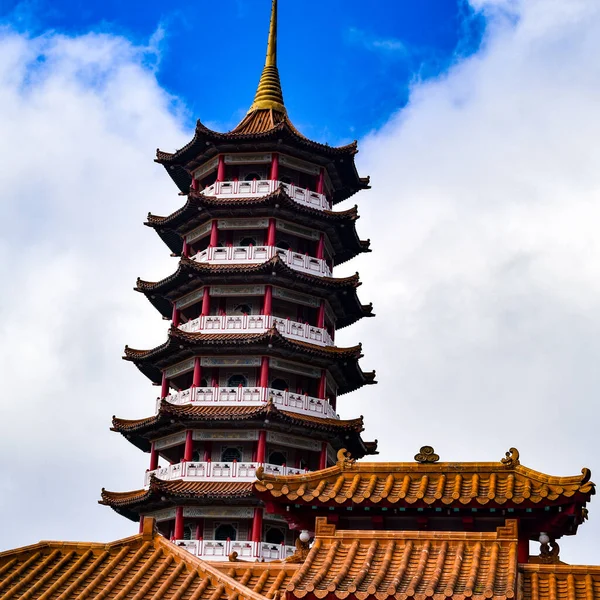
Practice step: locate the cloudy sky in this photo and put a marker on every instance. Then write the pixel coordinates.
(479, 128)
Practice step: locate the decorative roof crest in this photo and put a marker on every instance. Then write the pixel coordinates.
(426, 455)
(511, 458)
(345, 460)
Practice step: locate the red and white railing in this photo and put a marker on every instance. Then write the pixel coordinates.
(220, 550)
(253, 396)
(262, 187)
(259, 254)
(257, 324)
(218, 471)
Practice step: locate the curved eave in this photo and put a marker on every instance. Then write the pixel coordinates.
(163, 494)
(190, 275)
(207, 143)
(427, 485)
(173, 419)
(342, 362)
(339, 226)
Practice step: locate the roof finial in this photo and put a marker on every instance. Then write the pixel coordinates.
(269, 94)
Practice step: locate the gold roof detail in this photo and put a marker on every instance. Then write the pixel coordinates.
(269, 95)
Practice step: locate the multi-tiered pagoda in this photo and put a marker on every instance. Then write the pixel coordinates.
(250, 373)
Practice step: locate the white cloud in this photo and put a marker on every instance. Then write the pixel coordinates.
(484, 216)
(484, 272)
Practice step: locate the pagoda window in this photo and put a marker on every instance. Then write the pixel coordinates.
(243, 309)
(283, 244)
(277, 458)
(188, 532)
(286, 179)
(197, 456)
(248, 241)
(275, 535)
(280, 384)
(225, 531)
(230, 454)
(252, 176)
(237, 380)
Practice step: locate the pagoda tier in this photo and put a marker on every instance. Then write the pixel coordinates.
(275, 133)
(173, 419)
(341, 363)
(185, 223)
(184, 286)
(409, 496)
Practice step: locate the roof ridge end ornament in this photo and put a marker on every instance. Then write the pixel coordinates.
(427, 455)
(344, 460)
(269, 95)
(511, 458)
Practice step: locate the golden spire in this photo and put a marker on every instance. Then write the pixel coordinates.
(269, 94)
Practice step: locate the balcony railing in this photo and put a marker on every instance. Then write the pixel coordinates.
(257, 324)
(220, 550)
(259, 254)
(218, 471)
(253, 396)
(262, 187)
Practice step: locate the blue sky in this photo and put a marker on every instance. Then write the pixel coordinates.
(346, 65)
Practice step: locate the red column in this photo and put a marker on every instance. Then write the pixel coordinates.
(207, 451)
(321, 181)
(523, 550)
(141, 524)
(221, 168)
(261, 449)
(323, 384)
(257, 524)
(323, 457)
(275, 167)
(178, 533)
(153, 457)
(194, 183)
(264, 372)
(186, 249)
(271, 233)
(321, 247)
(206, 301)
(175, 316)
(188, 450)
(321, 315)
(199, 529)
(268, 304)
(214, 382)
(164, 386)
(197, 372)
(214, 233)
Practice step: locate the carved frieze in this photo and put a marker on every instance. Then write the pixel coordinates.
(297, 297)
(292, 367)
(224, 434)
(170, 440)
(182, 367)
(292, 441)
(190, 298)
(247, 159)
(243, 223)
(298, 230)
(229, 361)
(197, 233)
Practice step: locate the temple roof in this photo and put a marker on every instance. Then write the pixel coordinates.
(501, 484)
(364, 565)
(171, 418)
(342, 362)
(166, 493)
(190, 275)
(339, 225)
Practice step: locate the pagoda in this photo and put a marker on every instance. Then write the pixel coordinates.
(250, 374)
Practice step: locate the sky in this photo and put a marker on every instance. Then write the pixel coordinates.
(478, 124)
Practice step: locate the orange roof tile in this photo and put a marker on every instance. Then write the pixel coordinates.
(383, 564)
(560, 582)
(440, 484)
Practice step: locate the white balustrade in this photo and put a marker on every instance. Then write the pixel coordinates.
(218, 471)
(262, 187)
(257, 324)
(218, 550)
(253, 396)
(259, 254)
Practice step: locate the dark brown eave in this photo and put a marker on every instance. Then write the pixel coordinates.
(341, 362)
(173, 419)
(190, 275)
(284, 138)
(164, 494)
(339, 226)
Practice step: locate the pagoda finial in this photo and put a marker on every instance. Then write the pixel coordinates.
(269, 95)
